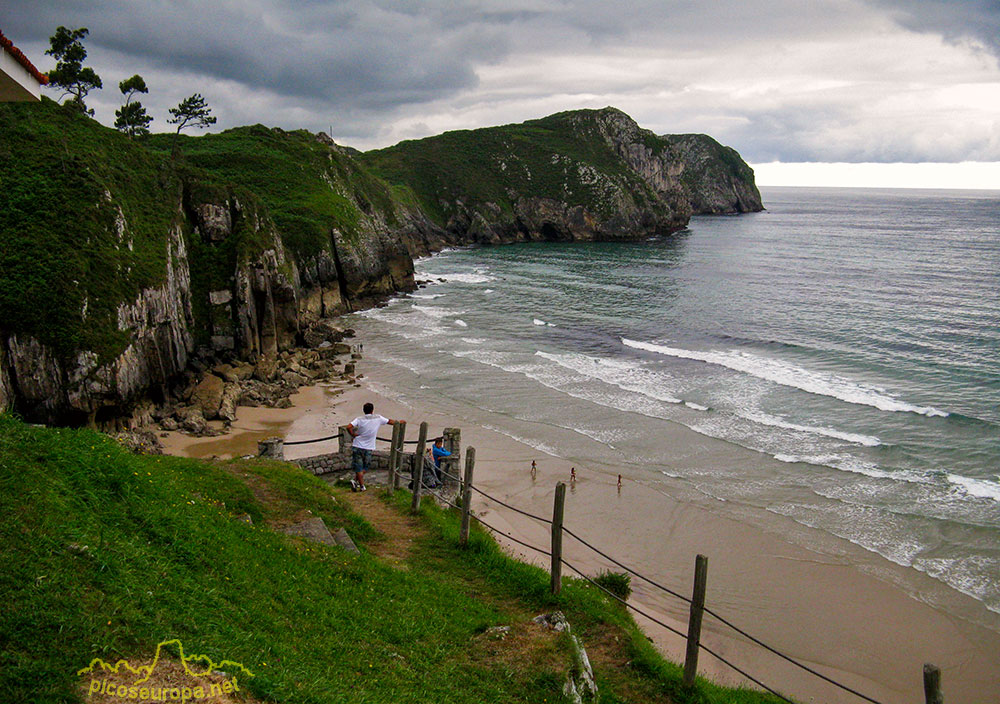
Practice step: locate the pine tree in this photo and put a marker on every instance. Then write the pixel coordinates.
(192, 111)
(131, 118)
(70, 74)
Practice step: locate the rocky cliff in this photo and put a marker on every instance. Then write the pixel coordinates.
(580, 175)
(122, 263)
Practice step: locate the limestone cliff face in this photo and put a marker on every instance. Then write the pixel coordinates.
(230, 287)
(157, 325)
(716, 179)
(712, 178)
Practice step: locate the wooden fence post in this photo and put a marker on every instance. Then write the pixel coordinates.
(450, 466)
(393, 457)
(932, 685)
(557, 520)
(418, 468)
(470, 462)
(399, 454)
(694, 623)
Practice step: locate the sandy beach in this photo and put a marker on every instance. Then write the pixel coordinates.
(839, 611)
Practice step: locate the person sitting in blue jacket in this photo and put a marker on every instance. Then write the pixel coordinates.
(438, 451)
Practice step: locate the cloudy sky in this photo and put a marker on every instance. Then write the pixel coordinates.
(792, 81)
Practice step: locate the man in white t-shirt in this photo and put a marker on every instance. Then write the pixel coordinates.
(364, 429)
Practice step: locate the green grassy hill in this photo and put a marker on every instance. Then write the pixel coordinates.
(106, 554)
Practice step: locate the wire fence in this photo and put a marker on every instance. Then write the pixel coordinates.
(663, 588)
(549, 553)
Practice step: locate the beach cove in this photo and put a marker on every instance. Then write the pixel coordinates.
(839, 610)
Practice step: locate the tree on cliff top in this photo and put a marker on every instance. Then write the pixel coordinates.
(131, 118)
(191, 111)
(70, 74)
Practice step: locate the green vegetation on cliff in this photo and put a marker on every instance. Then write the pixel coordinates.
(308, 187)
(106, 554)
(558, 157)
(83, 225)
(86, 213)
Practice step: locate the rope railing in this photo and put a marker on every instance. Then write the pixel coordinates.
(340, 435)
(672, 593)
(682, 635)
(629, 570)
(306, 442)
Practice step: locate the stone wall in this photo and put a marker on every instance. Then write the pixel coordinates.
(341, 462)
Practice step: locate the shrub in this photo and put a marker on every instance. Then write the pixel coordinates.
(618, 583)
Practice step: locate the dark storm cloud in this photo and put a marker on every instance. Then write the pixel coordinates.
(344, 52)
(955, 20)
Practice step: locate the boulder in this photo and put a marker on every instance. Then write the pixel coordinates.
(266, 369)
(322, 332)
(230, 397)
(243, 371)
(225, 371)
(207, 395)
(294, 379)
(192, 420)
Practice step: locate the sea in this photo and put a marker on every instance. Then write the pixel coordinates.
(845, 343)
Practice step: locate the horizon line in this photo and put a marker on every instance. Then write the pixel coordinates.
(963, 175)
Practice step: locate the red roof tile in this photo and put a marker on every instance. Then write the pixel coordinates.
(9, 47)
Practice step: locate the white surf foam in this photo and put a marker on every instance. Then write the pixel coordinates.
(842, 462)
(857, 438)
(426, 296)
(436, 313)
(464, 277)
(536, 321)
(536, 444)
(461, 323)
(695, 406)
(790, 375)
(981, 488)
(626, 376)
(474, 340)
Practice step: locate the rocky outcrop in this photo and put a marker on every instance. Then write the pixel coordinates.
(81, 389)
(716, 179)
(713, 179)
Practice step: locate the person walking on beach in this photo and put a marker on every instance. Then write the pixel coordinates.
(363, 429)
(533, 468)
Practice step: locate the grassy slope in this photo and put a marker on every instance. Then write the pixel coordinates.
(308, 188)
(167, 557)
(540, 158)
(56, 167)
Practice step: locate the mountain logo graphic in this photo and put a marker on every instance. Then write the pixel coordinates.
(118, 677)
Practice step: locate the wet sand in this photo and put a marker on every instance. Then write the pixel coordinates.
(839, 611)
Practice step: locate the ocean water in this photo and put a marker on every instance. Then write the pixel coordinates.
(845, 343)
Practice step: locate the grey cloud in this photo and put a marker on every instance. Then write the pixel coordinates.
(952, 19)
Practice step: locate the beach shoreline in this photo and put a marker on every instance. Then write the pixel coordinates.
(840, 612)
